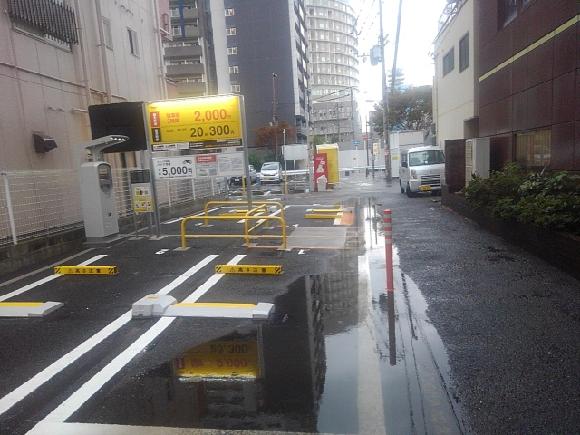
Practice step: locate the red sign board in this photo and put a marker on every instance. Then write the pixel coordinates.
(206, 158)
(320, 168)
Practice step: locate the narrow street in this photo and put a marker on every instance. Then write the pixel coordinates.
(477, 334)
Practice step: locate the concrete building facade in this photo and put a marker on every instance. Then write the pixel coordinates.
(50, 74)
(529, 82)
(333, 46)
(455, 90)
(267, 63)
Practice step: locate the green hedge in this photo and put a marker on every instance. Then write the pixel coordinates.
(549, 200)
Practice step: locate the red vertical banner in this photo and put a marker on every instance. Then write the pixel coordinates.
(320, 168)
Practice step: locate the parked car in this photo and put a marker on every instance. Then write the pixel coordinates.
(422, 170)
(237, 180)
(271, 172)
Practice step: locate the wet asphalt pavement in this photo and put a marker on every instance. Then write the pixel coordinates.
(478, 336)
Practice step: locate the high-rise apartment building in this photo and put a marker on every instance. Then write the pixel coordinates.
(198, 34)
(333, 47)
(267, 63)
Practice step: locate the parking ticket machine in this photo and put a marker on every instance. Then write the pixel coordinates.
(97, 196)
(98, 201)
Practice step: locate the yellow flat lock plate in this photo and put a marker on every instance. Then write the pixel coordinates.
(327, 210)
(321, 216)
(20, 304)
(214, 305)
(249, 269)
(86, 270)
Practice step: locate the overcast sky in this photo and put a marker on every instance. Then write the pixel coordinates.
(418, 29)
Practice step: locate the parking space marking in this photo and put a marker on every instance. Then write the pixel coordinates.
(162, 251)
(67, 408)
(44, 280)
(20, 393)
(42, 269)
(256, 214)
(179, 219)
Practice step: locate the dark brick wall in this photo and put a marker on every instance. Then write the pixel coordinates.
(539, 90)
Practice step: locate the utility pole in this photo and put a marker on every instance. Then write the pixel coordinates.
(338, 124)
(274, 112)
(386, 143)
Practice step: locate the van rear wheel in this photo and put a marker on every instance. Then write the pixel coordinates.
(408, 191)
(401, 186)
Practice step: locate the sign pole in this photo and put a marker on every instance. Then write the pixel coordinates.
(149, 154)
(246, 154)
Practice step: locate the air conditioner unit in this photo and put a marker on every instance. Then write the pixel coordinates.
(476, 158)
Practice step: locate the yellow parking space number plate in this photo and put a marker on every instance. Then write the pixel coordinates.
(249, 269)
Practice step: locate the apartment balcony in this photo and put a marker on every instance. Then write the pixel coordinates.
(187, 51)
(189, 14)
(188, 69)
(191, 89)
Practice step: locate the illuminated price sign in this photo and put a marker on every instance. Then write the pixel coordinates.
(214, 119)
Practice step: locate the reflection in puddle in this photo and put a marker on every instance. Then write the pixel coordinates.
(340, 355)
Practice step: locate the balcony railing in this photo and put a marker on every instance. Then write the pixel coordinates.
(48, 17)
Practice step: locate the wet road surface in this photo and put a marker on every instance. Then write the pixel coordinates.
(339, 355)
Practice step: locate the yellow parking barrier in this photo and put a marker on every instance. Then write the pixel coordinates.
(249, 216)
(86, 270)
(263, 204)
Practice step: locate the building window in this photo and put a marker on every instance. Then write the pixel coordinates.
(508, 11)
(230, 12)
(234, 69)
(107, 33)
(236, 88)
(133, 42)
(533, 148)
(176, 30)
(464, 53)
(449, 61)
(231, 31)
(232, 50)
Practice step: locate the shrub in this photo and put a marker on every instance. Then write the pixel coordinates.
(548, 200)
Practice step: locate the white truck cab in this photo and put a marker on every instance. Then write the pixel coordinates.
(422, 170)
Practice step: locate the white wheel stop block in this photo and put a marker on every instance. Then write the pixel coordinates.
(28, 309)
(261, 311)
(152, 305)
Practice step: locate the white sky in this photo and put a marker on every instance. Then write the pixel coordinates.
(419, 27)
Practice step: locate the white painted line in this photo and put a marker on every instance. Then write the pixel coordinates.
(204, 288)
(199, 224)
(257, 214)
(261, 221)
(266, 193)
(162, 251)
(44, 280)
(67, 408)
(42, 269)
(172, 221)
(301, 252)
(15, 396)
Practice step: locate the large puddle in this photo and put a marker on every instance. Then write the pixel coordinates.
(341, 355)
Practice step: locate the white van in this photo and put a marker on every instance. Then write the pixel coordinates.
(271, 172)
(422, 170)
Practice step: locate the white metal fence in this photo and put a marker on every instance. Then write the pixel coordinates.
(39, 203)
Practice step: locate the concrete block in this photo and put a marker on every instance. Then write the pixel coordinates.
(262, 311)
(28, 309)
(152, 306)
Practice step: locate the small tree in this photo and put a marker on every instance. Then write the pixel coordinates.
(410, 109)
(270, 135)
